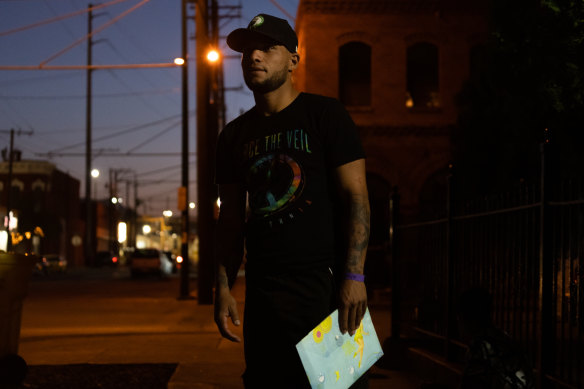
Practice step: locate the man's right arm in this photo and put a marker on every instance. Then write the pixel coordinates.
(228, 254)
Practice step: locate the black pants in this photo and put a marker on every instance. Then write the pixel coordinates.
(280, 309)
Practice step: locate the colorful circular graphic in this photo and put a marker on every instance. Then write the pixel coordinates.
(275, 181)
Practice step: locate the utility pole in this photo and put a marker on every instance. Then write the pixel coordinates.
(88, 207)
(9, 188)
(113, 189)
(135, 215)
(210, 116)
(205, 185)
(184, 292)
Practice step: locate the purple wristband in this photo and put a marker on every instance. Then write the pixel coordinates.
(355, 277)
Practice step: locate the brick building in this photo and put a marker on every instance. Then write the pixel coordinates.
(45, 201)
(397, 66)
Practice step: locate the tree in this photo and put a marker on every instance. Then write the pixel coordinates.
(532, 78)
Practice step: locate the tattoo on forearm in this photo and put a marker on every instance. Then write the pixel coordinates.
(358, 234)
(222, 280)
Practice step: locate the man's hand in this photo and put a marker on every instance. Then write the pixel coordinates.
(352, 305)
(226, 306)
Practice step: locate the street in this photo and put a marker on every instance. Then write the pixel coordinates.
(91, 308)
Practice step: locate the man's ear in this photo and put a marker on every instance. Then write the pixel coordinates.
(294, 59)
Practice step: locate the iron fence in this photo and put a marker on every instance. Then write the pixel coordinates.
(526, 247)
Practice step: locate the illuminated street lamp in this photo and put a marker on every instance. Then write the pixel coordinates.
(146, 229)
(95, 175)
(213, 56)
(167, 213)
(192, 205)
(179, 61)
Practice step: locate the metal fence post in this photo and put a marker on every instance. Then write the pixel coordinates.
(546, 333)
(395, 287)
(450, 317)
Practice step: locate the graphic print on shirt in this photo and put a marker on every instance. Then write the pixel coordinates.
(275, 179)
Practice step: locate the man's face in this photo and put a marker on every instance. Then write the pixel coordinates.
(266, 65)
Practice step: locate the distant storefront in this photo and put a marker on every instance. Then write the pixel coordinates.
(44, 203)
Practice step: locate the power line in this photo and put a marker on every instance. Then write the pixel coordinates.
(50, 7)
(21, 81)
(102, 95)
(59, 154)
(90, 67)
(160, 170)
(155, 136)
(137, 128)
(144, 101)
(126, 60)
(88, 36)
(58, 18)
(283, 10)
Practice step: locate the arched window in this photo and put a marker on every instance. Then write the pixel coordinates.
(422, 76)
(39, 184)
(355, 74)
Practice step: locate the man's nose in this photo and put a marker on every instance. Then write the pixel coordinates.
(253, 55)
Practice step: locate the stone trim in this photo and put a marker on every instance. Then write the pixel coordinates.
(28, 167)
(18, 184)
(355, 36)
(40, 184)
(424, 37)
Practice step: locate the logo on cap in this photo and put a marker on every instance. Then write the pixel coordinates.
(257, 21)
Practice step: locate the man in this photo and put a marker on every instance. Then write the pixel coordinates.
(298, 158)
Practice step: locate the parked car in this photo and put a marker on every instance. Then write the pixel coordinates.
(150, 261)
(51, 263)
(106, 258)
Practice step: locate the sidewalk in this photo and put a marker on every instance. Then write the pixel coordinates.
(156, 331)
(225, 371)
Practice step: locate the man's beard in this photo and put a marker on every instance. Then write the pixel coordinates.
(268, 85)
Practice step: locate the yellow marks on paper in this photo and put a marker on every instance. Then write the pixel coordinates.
(320, 330)
(360, 342)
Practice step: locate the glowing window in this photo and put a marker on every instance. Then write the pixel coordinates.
(422, 76)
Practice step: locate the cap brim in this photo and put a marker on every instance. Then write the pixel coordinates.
(237, 39)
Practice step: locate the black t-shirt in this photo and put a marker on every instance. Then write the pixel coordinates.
(285, 163)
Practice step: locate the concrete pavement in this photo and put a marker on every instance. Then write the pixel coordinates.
(155, 328)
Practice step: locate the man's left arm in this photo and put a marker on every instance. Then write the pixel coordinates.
(352, 294)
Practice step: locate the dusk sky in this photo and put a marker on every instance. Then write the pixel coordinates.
(135, 111)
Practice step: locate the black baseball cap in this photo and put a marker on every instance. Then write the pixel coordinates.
(264, 26)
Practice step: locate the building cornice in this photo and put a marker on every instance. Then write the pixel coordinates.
(28, 167)
(387, 6)
(367, 6)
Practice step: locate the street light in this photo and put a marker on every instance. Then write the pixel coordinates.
(95, 174)
(213, 56)
(179, 61)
